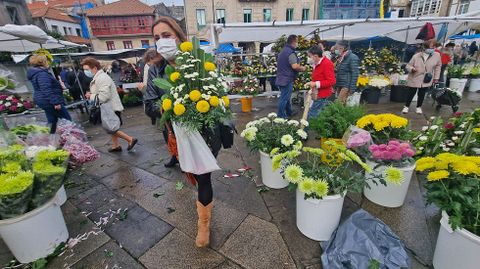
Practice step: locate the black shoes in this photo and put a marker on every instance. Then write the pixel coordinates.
(117, 149)
(173, 161)
(134, 142)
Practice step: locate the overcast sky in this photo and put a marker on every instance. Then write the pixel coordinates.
(153, 2)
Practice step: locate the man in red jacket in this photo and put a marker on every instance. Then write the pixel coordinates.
(323, 79)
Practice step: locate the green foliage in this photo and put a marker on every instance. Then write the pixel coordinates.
(456, 71)
(475, 72)
(131, 99)
(13, 183)
(335, 118)
(24, 130)
(57, 157)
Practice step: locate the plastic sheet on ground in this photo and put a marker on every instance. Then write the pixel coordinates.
(363, 240)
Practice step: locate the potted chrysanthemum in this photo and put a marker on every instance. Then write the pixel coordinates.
(320, 188)
(270, 136)
(248, 89)
(453, 184)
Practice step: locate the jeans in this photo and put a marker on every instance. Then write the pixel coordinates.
(53, 115)
(316, 107)
(284, 105)
(411, 93)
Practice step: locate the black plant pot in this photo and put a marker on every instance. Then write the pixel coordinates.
(370, 96)
(398, 94)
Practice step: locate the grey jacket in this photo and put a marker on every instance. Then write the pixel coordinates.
(152, 93)
(347, 72)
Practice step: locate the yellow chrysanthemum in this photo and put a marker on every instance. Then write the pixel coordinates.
(209, 66)
(437, 175)
(465, 167)
(476, 130)
(277, 161)
(226, 101)
(320, 188)
(174, 76)
(365, 120)
(393, 175)
(380, 125)
(195, 95)
(214, 101)
(447, 157)
(399, 122)
(362, 81)
(306, 185)
(475, 159)
(293, 173)
(179, 109)
(186, 46)
(203, 106)
(441, 165)
(167, 104)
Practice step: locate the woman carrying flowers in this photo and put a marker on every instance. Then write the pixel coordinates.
(193, 106)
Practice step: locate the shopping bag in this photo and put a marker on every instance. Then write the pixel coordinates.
(110, 120)
(95, 117)
(354, 99)
(194, 155)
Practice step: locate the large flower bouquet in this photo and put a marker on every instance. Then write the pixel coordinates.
(274, 135)
(384, 127)
(304, 169)
(390, 63)
(378, 82)
(370, 62)
(13, 104)
(250, 86)
(453, 184)
(196, 96)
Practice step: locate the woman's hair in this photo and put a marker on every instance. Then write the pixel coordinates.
(91, 62)
(38, 60)
(428, 43)
(316, 50)
(149, 55)
(173, 24)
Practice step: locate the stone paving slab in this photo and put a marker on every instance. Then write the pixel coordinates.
(109, 255)
(228, 265)
(178, 208)
(257, 244)
(177, 250)
(94, 198)
(104, 166)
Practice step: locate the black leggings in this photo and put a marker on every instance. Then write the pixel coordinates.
(411, 93)
(205, 191)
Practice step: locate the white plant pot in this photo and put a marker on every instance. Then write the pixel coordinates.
(35, 234)
(474, 85)
(61, 195)
(270, 178)
(458, 84)
(391, 195)
(456, 248)
(318, 219)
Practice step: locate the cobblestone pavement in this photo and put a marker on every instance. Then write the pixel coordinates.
(250, 229)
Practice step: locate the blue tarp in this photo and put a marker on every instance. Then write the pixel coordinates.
(465, 36)
(226, 48)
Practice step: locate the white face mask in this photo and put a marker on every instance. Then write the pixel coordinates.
(167, 47)
(310, 61)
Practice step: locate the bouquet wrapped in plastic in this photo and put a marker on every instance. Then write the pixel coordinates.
(15, 192)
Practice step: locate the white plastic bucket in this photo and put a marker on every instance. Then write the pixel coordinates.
(35, 234)
(318, 219)
(474, 85)
(458, 84)
(456, 249)
(391, 195)
(270, 178)
(61, 195)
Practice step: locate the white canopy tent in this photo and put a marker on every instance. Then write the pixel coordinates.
(401, 29)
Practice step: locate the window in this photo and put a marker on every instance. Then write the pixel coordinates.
(289, 15)
(145, 44)
(401, 13)
(463, 8)
(127, 44)
(141, 23)
(13, 14)
(78, 32)
(110, 45)
(220, 15)
(70, 30)
(247, 15)
(55, 28)
(305, 14)
(267, 14)
(65, 30)
(201, 20)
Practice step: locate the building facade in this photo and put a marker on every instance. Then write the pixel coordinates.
(426, 8)
(14, 12)
(349, 9)
(458, 7)
(125, 24)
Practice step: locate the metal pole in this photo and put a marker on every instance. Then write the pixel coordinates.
(406, 44)
(343, 32)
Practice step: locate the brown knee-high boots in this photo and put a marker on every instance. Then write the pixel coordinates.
(204, 217)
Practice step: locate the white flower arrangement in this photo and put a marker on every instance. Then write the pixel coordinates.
(287, 140)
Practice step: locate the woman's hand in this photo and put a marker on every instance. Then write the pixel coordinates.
(87, 95)
(58, 107)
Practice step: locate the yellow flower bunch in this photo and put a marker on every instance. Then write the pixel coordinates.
(381, 121)
(362, 81)
(442, 165)
(186, 46)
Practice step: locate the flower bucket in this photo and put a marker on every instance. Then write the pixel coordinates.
(329, 149)
(371, 95)
(391, 195)
(456, 248)
(318, 219)
(458, 84)
(61, 195)
(246, 103)
(474, 85)
(270, 178)
(36, 234)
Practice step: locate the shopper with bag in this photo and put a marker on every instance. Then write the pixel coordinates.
(424, 69)
(196, 151)
(103, 89)
(48, 93)
(346, 70)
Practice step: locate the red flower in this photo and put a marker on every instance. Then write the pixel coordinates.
(13, 108)
(3, 97)
(449, 126)
(27, 105)
(2, 108)
(457, 114)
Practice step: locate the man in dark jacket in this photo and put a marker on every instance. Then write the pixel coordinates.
(346, 70)
(288, 67)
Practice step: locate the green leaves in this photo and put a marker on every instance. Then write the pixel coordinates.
(169, 70)
(163, 84)
(179, 186)
(335, 118)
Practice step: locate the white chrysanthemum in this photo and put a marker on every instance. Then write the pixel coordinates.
(423, 138)
(19, 105)
(279, 120)
(433, 127)
(424, 128)
(175, 95)
(264, 120)
(7, 104)
(302, 134)
(459, 132)
(304, 122)
(293, 122)
(272, 115)
(249, 134)
(252, 124)
(454, 138)
(287, 140)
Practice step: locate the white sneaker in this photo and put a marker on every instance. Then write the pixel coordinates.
(419, 110)
(405, 110)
